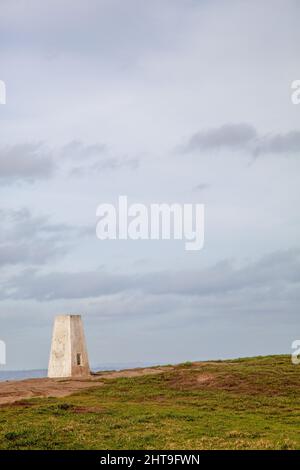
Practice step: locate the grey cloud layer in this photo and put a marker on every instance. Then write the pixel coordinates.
(79, 151)
(276, 271)
(28, 162)
(33, 240)
(244, 138)
(93, 158)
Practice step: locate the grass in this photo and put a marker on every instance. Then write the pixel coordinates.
(251, 403)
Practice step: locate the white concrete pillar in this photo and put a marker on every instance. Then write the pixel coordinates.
(68, 356)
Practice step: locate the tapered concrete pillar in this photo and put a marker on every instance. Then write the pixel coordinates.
(68, 356)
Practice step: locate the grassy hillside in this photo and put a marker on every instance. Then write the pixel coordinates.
(242, 404)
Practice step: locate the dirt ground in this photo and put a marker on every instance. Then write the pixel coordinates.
(14, 391)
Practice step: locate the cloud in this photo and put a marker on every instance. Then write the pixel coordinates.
(105, 164)
(30, 162)
(33, 240)
(278, 144)
(25, 162)
(78, 151)
(230, 136)
(243, 138)
(94, 158)
(202, 187)
(276, 274)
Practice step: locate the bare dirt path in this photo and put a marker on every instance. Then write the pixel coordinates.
(14, 391)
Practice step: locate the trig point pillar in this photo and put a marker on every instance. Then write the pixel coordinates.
(68, 356)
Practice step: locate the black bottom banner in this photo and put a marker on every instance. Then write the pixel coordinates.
(134, 459)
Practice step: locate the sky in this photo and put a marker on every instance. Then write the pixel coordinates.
(168, 101)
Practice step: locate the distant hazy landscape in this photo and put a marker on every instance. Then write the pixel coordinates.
(40, 373)
(22, 374)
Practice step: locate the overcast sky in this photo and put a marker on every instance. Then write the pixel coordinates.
(185, 101)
